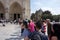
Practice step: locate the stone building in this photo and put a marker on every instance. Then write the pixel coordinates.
(38, 14)
(14, 9)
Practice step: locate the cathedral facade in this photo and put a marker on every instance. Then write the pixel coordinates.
(14, 9)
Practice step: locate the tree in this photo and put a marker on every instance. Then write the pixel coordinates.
(56, 18)
(46, 15)
(32, 16)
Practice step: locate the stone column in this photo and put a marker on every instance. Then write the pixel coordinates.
(27, 9)
(7, 14)
(7, 10)
(23, 13)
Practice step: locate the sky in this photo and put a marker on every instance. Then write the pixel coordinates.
(51, 5)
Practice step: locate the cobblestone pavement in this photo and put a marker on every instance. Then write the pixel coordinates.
(10, 32)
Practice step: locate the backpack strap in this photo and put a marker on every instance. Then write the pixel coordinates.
(35, 36)
(43, 37)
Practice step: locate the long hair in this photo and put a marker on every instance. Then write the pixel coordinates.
(25, 23)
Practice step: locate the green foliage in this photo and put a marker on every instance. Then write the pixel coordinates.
(56, 18)
(46, 15)
(32, 16)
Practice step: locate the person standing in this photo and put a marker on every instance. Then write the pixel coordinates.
(31, 26)
(26, 32)
(55, 35)
(44, 27)
(37, 34)
(49, 26)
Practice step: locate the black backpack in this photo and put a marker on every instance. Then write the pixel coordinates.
(38, 36)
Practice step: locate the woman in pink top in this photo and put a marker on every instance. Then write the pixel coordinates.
(31, 26)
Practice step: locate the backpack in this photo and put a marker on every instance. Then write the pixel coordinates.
(42, 36)
(38, 36)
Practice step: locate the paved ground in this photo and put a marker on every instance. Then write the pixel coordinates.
(10, 32)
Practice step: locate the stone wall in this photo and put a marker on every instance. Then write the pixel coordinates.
(25, 4)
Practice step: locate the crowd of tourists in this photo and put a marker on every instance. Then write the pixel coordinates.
(39, 30)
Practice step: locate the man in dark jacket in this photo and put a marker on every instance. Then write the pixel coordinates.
(38, 35)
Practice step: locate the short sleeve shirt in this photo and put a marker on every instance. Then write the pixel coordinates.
(25, 33)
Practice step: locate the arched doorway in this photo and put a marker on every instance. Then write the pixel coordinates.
(2, 11)
(15, 11)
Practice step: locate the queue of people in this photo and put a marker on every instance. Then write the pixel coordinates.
(40, 30)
